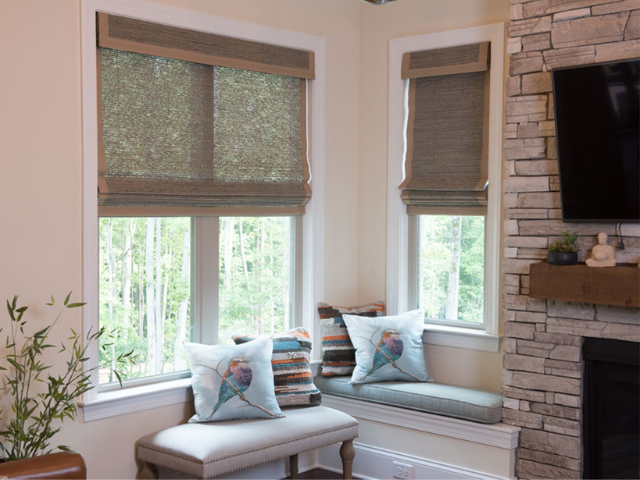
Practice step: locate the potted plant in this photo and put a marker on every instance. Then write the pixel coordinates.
(41, 394)
(565, 251)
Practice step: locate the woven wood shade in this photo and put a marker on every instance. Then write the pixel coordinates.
(178, 136)
(447, 128)
(159, 40)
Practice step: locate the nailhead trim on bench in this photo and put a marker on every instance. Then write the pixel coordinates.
(244, 453)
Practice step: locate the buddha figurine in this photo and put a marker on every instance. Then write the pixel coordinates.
(602, 255)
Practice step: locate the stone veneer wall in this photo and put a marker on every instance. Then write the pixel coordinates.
(542, 362)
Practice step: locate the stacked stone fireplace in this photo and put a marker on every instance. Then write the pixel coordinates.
(543, 360)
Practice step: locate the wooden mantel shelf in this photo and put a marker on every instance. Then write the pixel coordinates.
(619, 285)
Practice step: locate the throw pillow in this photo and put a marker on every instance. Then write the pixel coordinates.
(338, 354)
(232, 382)
(291, 369)
(388, 348)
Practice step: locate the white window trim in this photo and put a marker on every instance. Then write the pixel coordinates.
(101, 405)
(397, 218)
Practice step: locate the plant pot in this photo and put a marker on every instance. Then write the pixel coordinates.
(562, 258)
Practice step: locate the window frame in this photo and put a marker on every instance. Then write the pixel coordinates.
(310, 258)
(401, 232)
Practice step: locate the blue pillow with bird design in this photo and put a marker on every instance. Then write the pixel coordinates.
(388, 348)
(232, 382)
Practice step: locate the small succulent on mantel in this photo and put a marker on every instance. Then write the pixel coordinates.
(565, 251)
(567, 244)
(40, 399)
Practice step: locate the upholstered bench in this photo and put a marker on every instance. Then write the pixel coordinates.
(447, 400)
(205, 450)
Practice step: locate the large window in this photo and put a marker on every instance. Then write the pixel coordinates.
(149, 270)
(196, 141)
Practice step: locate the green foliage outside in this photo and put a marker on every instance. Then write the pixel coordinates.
(145, 292)
(451, 267)
(146, 284)
(255, 276)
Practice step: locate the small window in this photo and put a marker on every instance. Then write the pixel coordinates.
(446, 104)
(450, 268)
(446, 188)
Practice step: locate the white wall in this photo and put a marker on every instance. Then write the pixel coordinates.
(41, 173)
(41, 168)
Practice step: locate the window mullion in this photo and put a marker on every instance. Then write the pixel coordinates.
(296, 271)
(414, 272)
(207, 271)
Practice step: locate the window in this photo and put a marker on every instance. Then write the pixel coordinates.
(148, 293)
(444, 200)
(182, 130)
(450, 269)
(185, 238)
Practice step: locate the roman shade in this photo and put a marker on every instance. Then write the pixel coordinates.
(447, 128)
(193, 123)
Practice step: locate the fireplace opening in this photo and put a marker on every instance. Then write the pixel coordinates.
(611, 409)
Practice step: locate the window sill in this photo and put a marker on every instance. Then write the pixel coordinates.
(457, 337)
(136, 399)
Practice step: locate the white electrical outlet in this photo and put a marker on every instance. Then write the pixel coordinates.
(402, 471)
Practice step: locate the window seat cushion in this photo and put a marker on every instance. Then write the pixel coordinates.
(436, 398)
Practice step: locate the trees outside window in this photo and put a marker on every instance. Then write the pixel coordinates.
(451, 267)
(147, 286)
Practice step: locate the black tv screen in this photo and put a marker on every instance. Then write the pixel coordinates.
(597, 118)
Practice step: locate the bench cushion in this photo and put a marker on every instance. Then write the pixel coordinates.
(451, 401)
(208, 449)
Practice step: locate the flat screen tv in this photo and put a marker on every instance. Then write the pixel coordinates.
(597, 118)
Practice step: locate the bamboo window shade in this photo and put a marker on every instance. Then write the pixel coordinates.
(194, 123)
(447, 128)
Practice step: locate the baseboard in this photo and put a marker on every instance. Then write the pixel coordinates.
(372, 463)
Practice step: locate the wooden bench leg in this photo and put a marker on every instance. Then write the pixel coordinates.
(293, 466)
(148, 471)
(347, 453)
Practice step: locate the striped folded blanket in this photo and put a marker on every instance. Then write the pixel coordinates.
(291, 369)
(338, 353)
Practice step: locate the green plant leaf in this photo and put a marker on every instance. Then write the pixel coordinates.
(40, 333)
(76, 305)
(66, 300)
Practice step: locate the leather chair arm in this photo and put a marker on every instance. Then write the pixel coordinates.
(61, 465)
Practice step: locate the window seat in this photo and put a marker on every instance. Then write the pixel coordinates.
(435, 398)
